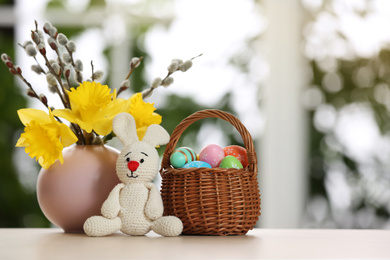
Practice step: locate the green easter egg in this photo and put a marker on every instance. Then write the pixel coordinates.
(181, 156)
(230, 162)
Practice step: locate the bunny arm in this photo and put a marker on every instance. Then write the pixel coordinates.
(154, 206)
(111, 207)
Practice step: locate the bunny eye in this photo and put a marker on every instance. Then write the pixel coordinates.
(128, 159)
(142, 160)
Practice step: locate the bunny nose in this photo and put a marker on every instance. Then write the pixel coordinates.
(133, 165)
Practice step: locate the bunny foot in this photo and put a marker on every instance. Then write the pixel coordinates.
(169, 226)
(98, 226)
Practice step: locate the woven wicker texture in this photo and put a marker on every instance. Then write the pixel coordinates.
(214, 201)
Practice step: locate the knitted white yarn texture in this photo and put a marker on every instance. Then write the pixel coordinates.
(135, 206)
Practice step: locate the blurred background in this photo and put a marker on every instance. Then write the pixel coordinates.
(309, 79)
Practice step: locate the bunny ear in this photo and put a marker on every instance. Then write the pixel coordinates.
(125, 129)
(156, 135)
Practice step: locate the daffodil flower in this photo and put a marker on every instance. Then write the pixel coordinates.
(44, 137)
(93, 107)
(143, 114)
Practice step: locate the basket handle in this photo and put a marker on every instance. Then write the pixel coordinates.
(211, 113)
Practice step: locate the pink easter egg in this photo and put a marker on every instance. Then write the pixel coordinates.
(212, 154)
(238, 152)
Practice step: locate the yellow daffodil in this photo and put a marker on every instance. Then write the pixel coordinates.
(44, 137)
(143, 114)
(93, 107)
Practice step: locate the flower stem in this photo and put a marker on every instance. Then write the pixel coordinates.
(92, 77)
(132, 68)
(64, 97)
(79, 133)
(35, 95)
(89, 137)
(108, 137)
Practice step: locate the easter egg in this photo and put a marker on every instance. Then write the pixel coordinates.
(212, 154)
(197, 164)
(238, 152)
(181, 156)
(230, 162)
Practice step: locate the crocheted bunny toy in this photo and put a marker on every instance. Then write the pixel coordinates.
(135, 206)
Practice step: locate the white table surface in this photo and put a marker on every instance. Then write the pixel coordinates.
(257, 244)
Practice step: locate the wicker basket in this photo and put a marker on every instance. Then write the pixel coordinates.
(214, 201)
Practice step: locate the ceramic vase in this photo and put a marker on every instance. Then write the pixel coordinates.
(71, 192)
